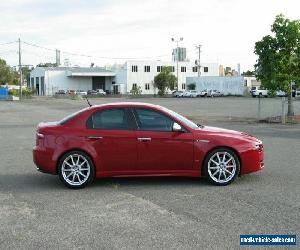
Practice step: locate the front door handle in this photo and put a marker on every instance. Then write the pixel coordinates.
(144, 139)
(93, 137)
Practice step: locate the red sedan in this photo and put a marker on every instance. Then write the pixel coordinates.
(138, 139)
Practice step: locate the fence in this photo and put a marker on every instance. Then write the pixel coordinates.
(3, 93)
(275, 109)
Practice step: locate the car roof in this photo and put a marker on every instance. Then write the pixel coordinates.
(127, 104)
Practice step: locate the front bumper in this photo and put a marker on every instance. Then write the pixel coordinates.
(252, 161)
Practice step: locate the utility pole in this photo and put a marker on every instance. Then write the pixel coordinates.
(57, 56)
(20, 69)
(199, 57)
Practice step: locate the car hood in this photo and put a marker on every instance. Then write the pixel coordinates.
(227, 133)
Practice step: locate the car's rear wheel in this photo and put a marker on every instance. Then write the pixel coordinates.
(221, 166)
(76, 169)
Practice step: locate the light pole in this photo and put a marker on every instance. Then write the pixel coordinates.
(177, 50)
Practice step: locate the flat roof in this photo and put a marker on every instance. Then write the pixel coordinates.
(82, 71)
(97, 71)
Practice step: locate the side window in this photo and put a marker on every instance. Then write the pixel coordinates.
(111, 119)
(153, 121)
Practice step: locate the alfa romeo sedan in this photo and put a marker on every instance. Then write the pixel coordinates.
(138, 139)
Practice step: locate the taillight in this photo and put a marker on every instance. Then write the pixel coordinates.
(39, 137)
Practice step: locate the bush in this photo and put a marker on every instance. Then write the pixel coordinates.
(136, 90)
(13, 92)
(25, 92)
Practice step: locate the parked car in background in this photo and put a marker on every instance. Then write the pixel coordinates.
(139, 139)
(190, 93)
(60, 92)
(252, 89)
(214, 93)
(71, 92)
(280, 93)
(203, 93)
(260, 92)
(297, 92)
(81, 92)
(92, 92)
(177, 93)
(194, 93)
(100, 92)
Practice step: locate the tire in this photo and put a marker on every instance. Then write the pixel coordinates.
(76, 169)
(217, 171)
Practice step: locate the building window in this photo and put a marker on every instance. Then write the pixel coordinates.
(134, 68)
(195, 69)
(134, 86)
(205, 69)
(147, 86)
(183, 69)
(159, 68)
(147, 68)
(172, 68)
(183, 86)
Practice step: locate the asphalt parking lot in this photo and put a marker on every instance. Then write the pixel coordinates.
(38, 212)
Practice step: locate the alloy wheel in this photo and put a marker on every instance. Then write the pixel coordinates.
(76, 169)
(222, 167)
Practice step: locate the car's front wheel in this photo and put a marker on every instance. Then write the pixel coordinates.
(76, 169)
(221, 166)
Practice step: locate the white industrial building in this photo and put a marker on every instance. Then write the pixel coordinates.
(48, 80)
(227, 85)
(114, 79)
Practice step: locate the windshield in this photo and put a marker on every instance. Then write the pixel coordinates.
(181, 118)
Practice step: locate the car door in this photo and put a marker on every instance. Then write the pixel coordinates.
(160, 150)
(111, 134)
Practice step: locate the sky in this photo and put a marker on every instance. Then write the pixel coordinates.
(110, 31)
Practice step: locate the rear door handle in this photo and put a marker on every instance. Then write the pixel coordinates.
(93, 137)
(143, 139)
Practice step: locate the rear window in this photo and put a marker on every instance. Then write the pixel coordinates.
(110, 119)
(71, 116)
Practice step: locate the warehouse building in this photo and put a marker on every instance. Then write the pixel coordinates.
(116, 79)
(232, 85)
(47, 81)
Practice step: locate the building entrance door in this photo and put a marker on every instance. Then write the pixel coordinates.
(98, 82)
(116, 89)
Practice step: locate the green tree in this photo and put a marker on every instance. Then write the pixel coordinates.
(248, 73)
(278, 63)
(46, 65)
(191, 86)
(26, 72)
(165, 80)
(6, 74)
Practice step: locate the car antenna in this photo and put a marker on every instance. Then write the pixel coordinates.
(88, 102)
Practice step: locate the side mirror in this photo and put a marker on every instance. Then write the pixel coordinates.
(177, 127)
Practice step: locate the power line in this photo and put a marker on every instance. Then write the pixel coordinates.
(37, 46)
(7, 43)
(90, 56)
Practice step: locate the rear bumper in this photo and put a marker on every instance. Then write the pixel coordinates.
(43, 160)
